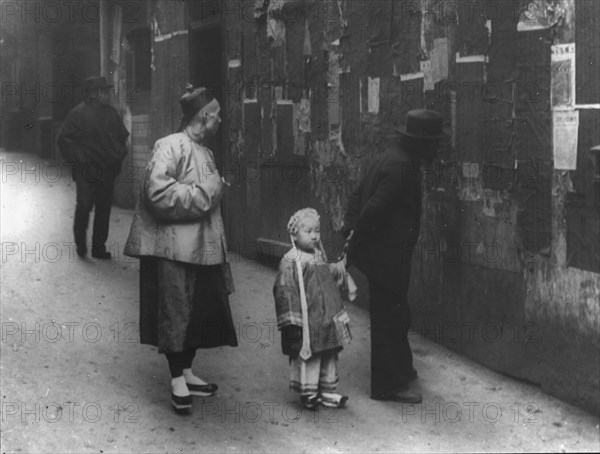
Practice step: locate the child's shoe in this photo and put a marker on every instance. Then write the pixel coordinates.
(332, 400)
(310, 401)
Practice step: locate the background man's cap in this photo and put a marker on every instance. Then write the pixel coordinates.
(194, 100)
(423, 124)
(98, 82)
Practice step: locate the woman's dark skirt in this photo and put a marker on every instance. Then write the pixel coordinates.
(184, 306)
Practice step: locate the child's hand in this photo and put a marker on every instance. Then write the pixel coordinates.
(291, 336)
(349, 237)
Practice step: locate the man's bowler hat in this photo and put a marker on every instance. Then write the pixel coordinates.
(423, 124)
(98, 82)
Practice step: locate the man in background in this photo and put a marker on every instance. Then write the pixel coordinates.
(93, 141)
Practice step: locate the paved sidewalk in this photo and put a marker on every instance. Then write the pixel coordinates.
(76, 379)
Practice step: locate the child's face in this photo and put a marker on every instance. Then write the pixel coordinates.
(309, 234)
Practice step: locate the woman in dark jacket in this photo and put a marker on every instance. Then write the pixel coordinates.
(178, 234)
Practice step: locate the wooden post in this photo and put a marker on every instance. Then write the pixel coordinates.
(104, 37)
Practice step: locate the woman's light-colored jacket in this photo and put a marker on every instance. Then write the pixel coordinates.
(178, 214)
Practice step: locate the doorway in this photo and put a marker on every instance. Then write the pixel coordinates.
(207, 70)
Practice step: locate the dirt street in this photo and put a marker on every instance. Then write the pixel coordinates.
(76, 379)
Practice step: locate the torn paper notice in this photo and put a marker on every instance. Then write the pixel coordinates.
(158, 37)
(565, 132)
(300, 144)
(538, 15)
(360, 95)
(471, 58)
(276, 31)
(335, 141)
(306, 48)
(453, 118)
(304, 115)
(563, 76)
(299, 136)
(115, 55)
(470, 169)
(373, 95)
(429, 83)
(333, 105)
(439, 59)
(411, 76)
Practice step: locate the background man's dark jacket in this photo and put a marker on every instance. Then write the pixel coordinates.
(93, 134)
(385, 212)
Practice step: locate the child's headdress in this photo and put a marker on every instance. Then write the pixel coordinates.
(298, 217)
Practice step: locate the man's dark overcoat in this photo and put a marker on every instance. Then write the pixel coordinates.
(384, 212)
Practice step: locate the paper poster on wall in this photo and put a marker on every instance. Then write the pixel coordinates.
(429, 83)
(453, 118)
(566, 128)
(276, 31)
(299, 137)
(538, 15)
(304, 116)
(307, 47)
(439, 59)
(373, 95)
(563, 76)
(411, 76)
(115, 55)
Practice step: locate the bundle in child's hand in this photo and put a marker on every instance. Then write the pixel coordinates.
(342, 326)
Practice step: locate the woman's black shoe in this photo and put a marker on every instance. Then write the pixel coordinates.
(202, 390)
(181, 403)
(81, 250)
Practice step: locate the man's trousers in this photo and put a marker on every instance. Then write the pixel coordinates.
(391, 356)
(94, 193)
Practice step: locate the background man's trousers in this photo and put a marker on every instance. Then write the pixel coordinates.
(93, 191)
(391, 356)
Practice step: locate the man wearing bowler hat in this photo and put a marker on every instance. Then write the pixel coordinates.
(93, 141)
(382, 226)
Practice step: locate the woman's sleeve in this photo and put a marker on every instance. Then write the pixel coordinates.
(167, 198)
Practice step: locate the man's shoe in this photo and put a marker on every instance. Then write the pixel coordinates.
(102, 255)
(405, 396)
(81, 250)
(409, 397)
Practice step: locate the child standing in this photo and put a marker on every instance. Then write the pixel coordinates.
(313, 363)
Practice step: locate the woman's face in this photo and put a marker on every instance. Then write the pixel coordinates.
(309, 234)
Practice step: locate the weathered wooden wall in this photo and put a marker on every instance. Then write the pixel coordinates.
(314, 90)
